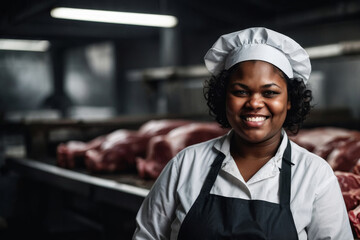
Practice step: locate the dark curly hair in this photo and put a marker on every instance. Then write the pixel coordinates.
(299, 96)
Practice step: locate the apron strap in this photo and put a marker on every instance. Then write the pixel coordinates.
(211, 177)
(285, 176)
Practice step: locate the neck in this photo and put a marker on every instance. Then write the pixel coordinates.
(241, 149)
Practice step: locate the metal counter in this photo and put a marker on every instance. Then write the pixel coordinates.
(125, 191)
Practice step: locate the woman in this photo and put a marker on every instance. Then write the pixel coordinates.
(252, 183)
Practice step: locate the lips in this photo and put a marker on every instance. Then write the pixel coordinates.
(254, 120)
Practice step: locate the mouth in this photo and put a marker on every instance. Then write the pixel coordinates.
(254, 121)
(253, 118)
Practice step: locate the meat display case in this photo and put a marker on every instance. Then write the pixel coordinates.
(51, 201)
(72, 201)
(54, 202)
(100, 205)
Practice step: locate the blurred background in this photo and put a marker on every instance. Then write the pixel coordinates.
(75, 80)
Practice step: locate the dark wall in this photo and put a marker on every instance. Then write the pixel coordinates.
(25, 80)
(96, 75)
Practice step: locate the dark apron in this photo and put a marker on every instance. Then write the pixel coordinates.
(218, 217)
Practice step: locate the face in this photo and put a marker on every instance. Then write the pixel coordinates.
(257, 101)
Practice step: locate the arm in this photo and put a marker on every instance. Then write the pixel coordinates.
(157, 211)
(329, 216)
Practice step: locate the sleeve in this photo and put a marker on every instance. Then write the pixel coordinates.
(329, 218)
(153, 220)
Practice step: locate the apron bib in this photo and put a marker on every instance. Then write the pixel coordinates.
(219, 217)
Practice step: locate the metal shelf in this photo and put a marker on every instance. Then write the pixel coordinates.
(97, 189)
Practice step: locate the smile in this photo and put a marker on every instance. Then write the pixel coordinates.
(255, 119)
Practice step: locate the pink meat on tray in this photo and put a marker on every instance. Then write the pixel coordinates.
(351, 198)
(68, 153)
(339, 147)
(325, 149)
(311, 139)
(345, 156)
(160, 127)
(354, 217)
(117, 150)
(162, 148)
(350, 189)
(347, 180)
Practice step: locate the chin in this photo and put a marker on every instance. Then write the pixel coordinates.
(257, 136)
(255, 140)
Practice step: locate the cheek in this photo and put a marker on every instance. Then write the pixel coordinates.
(228, 108)
(280, 107)
(232, 106)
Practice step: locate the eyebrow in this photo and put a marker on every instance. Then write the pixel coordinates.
(264, 86)
(270, 85)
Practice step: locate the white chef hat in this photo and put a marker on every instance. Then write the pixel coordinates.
(259, 44)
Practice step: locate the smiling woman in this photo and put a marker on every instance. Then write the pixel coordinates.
(298, 94)
(252, 183)
(256, 106)
(257, 101)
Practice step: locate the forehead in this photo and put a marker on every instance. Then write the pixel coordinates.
(256, 70)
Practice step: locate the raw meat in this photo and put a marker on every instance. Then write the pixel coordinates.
(317, 137)
(345, 156)
(115, 151)
(162, 148)
(339, 147)
(347, 180)
(325, 150)
(350, 189)
(354, 217)
(119, 151)
(356, 168)
(160, 127)
(351, 198)
(73, 151)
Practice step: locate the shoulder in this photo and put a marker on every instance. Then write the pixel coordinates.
(194, 162)
(192, 159)
(199, 151)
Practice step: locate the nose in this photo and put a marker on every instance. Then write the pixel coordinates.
(255, 102)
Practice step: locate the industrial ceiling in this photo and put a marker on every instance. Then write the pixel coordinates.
(31, 19)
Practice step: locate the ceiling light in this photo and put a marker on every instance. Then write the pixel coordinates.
(24, 45)
(332, 50)
(142, 19)
(324, 51)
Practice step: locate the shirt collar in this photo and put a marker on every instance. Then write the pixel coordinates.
(223, 145)
(280, 152)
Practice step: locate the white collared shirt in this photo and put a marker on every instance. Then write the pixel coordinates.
(316, 201)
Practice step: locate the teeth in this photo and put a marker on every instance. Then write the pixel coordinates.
(255, 119)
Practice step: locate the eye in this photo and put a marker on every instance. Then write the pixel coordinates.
(270, 93)
(240, 93)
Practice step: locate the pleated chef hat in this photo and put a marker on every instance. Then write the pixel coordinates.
(259, 44)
